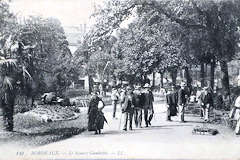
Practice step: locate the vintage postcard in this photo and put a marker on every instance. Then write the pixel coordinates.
(119, 79)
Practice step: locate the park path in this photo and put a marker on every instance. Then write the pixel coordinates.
(163, 140)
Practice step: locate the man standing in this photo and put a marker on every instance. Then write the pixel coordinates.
(127, 108)
(182, 99)
(206, 101)
(171, 99)
(115, 96)
(148, 104)
(137, 102)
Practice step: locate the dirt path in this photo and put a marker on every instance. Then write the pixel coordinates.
(163, 140)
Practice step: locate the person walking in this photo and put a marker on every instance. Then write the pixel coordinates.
(206, 101)
(128, 108)
(171, 100)
(95, 115)
(148, 104)
(182, 99)
(115, 97)
(235, 114)
(137, 102)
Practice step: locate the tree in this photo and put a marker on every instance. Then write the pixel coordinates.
(49, 56)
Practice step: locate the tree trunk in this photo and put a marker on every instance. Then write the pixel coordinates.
(90, 84)
(173, 74)
(161, 79)
(8, 110)
(153, 81)
(212, 75)
(188, 79)
(202, 75)
(225, 77)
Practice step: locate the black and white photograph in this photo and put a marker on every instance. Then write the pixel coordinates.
(119, 79)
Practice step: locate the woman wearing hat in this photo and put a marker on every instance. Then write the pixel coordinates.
(171, 99)
(95, 115)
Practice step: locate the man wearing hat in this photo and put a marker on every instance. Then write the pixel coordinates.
(148, 104)
(127, 108)
(206, 101)
(137, 102)
(182, 99)
(115, 97)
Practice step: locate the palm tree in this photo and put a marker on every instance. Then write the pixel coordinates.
(13, 77)
(7, 90)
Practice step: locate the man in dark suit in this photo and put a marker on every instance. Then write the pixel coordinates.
(148, 104)
(206, 101)
(128, 108)
(182, 99)
(138, 106)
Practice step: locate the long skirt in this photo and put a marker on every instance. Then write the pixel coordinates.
(96, 120)
(172, 110)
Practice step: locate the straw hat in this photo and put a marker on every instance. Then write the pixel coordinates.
(182, 84)
(146, 85)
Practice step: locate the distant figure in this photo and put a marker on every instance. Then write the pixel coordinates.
(182, 99)
(115, 97)
(206, 101)
(171, 100)
(128, 109)
(235, 114)
(95, 115)
(148, 104)
(138, 106)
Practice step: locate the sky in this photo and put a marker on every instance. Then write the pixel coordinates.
(69, 12)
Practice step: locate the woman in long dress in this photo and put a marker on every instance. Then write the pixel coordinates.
(171, 100)
(95, 115)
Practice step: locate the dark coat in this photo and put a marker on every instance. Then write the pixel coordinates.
(95, 117)
(127, 105)
(138, 100)
(206, 99)
(172, 100)
(182, 94)
(148, 100)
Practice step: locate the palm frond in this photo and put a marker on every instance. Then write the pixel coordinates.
(26, 73)
(7, 82)
(8, 62)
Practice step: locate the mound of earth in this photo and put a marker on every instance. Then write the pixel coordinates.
(49, 113)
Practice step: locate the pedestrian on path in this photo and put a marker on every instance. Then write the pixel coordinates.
(148, 104)
(95, 115)
(182, 99)
(171, 100)
(128, 108)
(138, 106)
(206, 101)
(235, 114)
(115, 97)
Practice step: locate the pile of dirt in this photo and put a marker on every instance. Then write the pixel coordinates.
(49, 113)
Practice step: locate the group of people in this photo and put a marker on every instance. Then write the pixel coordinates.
(136, 102)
